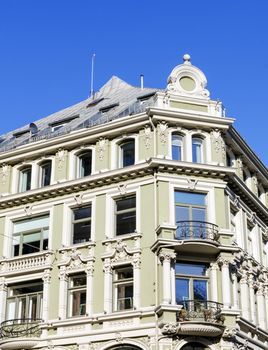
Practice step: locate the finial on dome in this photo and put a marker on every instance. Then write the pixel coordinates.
(187, 58)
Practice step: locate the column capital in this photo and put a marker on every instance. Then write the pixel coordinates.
(136, 261)
(167, 256)
(90, 268)
(107, 266)
(46, 276)
(223, 262)
(3, 285)
(62, 274)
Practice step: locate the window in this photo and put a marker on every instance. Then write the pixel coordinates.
(25, 301)
(81, 224)
(30, 235)
(176, 147)
(77, 295)
(127, 153)
(197, 150)
(190, 214)
(191, 282)
(45, 177)
(25, 179)
(84, 164)
(123, 288)
(125, 215)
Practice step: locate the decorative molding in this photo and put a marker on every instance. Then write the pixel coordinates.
(192, 183)
(217, 141)
(60, 156)
(147, 136)
(4, 173)
(101, 148)
(46, 276)
(230, 333)
(28, 209)
(170, 328)
(78, 198)
(167, 256)
(162, 127)
(122, 188)
(73, 260)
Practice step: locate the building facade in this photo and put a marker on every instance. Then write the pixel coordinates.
(136, 220)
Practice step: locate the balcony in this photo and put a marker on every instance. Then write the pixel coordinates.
(200, 318)
(20, 333)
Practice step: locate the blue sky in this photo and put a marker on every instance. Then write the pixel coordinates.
(46, 48)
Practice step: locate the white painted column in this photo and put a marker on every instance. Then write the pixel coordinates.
(35, 176)
(226, 285)
(173, 285)
(166, 257)
(89, 288)
(266, 304)
(3, 299)
(244, 291)
(63, 293)
(46, 279)
(235, 289)
(188, 150)
(261, 307)
(108, 285)
(252, 300)
(213, 282)
(136, 281)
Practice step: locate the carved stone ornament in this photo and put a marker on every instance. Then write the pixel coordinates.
(46, 276)
(265, 234)
(62, 274)
(4, 172)
(166, 98)
(162, 127)
(170, 328)
(253, 218)
(107, 267)
(28, 210)
(90, 268)
(136, 261)
(60, 156)
(147, 136)
(230, 333)
(78, 198)
(217, 141)
(118, 338)
(186, 72)
(239, 167)
(192, 184)
(101, 147)
(223, 262)
(122, 188)
(73, 260)
(237, 202)
(239, 346)
(3, 285)
(167, 256)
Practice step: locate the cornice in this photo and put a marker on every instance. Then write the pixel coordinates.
(113, 177)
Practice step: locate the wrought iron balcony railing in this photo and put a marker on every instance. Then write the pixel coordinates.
(200, 310)
(196, 230)
(24, 328)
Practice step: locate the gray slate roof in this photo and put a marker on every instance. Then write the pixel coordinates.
(115, 99)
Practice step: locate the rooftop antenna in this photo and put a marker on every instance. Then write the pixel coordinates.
(142, 80)
(92, 76)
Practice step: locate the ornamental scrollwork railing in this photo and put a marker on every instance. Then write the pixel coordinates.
(23, 328)
(200, 310)
(196, 230)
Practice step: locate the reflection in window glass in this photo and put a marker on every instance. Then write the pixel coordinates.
(176, 147)
(25, 179)
(46, 173)
(127, 150)
(77, 295)
(197, 150)
(85, 164)
(125, 215)
(81, 224)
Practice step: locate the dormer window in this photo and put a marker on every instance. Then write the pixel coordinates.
(45, 176)
(25, 179)
(127, 153)
(55, 126)
(84, 164)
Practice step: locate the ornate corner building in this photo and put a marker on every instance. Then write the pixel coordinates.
(134, 220)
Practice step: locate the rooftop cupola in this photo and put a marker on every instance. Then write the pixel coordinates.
(188, 80)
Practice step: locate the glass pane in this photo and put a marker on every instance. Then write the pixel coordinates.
(128, 153)
(22, 308)
(77, 281)
(199, 214)
(33, 312)
(31, 224)
(25, 179)
(78, 303)
(85, 161)
(176, 147)
(126, 203)
(182, 289)
(82, 232)
(197, 150)
(200, 289)
(126, 223)
(182, 213)
(11, 305)
(190, 198)
(46, 174)
(125, 273)
(191, 269)
(125, 296)
(82, 213)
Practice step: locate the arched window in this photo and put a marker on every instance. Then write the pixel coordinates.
(84, 164)
(25, 179)
(127, 153)
(197, 150)
(194, 346)
(45, 173)
(177, 146)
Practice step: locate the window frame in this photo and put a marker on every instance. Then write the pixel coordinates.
(181, 146)
(25, 185)
(76, 289)
(191, 278)
(200, 139)
(124, 211)
(41, 174)
(39, 230)
(79, 157)
(78, 221)
(17, 299)
(121, 152)
(124, 282)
